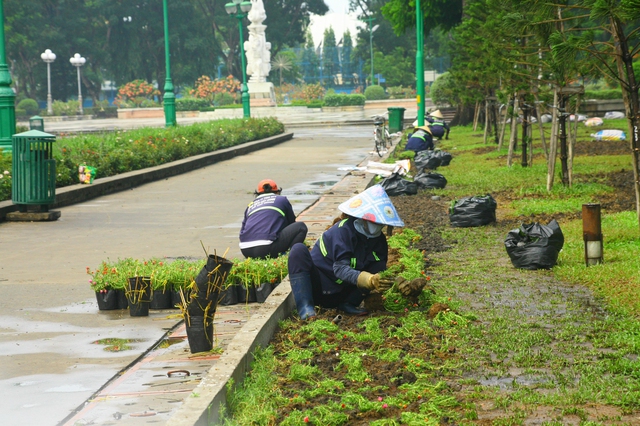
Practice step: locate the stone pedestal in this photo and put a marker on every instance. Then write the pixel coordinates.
(261, 94)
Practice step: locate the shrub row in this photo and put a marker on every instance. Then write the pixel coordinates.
(603, 94)
(123, 151)
(344, 100)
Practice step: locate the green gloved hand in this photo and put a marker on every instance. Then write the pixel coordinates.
(371, 282)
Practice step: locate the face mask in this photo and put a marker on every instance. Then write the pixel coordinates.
(373, 228)
(368, 229)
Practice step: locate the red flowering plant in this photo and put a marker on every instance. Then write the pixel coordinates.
(135, 93)
(205, 88)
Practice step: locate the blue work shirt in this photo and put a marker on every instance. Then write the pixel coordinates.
(265, 217)
(420, 140)
(341, 253)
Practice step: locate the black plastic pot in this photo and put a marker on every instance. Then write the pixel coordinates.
(175, 298)
(139, 296)
(208, 285)
(263, 291)
(161, 299)
(107, 300)
(246, 294)
(123, 303)
(228, 296)
(199, 333)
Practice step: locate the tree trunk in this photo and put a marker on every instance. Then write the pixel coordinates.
(562, 136)
(513, 140)
(541, 127)
(573, 132)
(504, 124)
(624, 62)
(525, 133)
(486, 121)
(553, 143)
(476, 114)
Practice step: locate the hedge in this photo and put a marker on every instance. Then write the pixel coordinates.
(344, 100)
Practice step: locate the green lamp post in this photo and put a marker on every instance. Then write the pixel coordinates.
(7, 97)
(169, 98)
(232, 9)
(420, 63)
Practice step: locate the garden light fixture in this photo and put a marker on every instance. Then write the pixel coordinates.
(78, 61)
(232, 9)
(48, 56)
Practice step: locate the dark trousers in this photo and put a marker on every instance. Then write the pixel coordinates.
(292, 234)
(300, 261)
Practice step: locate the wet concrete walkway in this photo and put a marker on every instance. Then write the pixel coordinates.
(50, 369)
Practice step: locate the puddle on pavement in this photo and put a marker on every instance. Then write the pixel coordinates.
(116, 345)
(170, 342)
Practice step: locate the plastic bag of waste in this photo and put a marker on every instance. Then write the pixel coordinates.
(611, 115)
(593, 121)
(546, 118)
(396, 185)
(581, 117)
(473, 211)
(609, 135)
(535, 246)
(430, 180)
(445, 157)
(426, 160)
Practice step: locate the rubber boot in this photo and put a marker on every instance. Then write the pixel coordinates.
(303, 294)
(351, 303)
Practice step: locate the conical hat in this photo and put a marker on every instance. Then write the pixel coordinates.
(426, 128)
(373, 205)
(437, 114)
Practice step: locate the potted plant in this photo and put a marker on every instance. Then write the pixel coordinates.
(160, 290)
(200, 300)
(138, 291)
(109, 285)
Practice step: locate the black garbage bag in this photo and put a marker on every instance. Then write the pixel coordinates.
(445, 157)
(396, 185)
(473, 211)
(535, 246)
(426, 160)
(430, 180)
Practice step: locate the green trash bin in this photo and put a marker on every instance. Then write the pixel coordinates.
(33, 169)
(396, 119)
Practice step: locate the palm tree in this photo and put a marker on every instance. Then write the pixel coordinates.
(281, 62)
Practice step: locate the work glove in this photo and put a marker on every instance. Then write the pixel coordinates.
(371, 282)
(411, 288)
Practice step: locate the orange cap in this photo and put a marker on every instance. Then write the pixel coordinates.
(267, 185)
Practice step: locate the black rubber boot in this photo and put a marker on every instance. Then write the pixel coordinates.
(303, 294)
(351, 303)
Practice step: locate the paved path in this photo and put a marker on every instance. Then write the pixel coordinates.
(49, 364)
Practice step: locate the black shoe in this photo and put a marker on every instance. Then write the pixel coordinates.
(352, 310)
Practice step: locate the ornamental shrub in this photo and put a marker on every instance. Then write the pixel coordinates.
(30, 106)
(344, 100)
(374, 93)
(191, 104)
(134, 93)
(603, 94)
(205, 88)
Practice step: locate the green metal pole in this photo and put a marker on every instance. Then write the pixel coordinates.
(7, 97)
(246, 106)
(371, 46)
(169, 97)
(420, 63)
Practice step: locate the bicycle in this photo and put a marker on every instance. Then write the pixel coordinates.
(381, 135)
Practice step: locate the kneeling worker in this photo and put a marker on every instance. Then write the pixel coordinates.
(420, 140)
(343, 266)
(269, 227)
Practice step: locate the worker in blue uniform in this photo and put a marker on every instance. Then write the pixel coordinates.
(438, 126)
(420, 140)
(269, 227)
(344, 264)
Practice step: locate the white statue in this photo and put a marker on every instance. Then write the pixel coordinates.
(257, 48)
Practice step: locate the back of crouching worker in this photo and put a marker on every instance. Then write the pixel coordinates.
(269, 227)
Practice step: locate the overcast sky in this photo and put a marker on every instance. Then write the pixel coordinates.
(338, 18)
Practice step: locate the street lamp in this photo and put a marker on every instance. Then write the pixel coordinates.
(7, 96)
(48, 56)
(371, 45)
(169, 99)
(232, 9)
(78, 61)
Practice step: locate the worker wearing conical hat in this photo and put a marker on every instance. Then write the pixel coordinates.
(439, 127)
(344, 264)
(420, 140)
